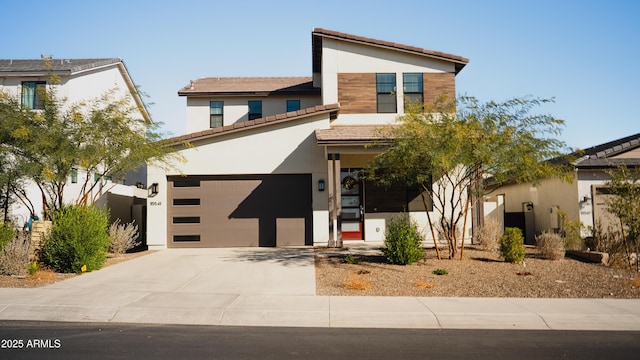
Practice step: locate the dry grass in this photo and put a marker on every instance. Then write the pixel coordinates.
(633, 283)
(356, 282)
(424, 285)
(551, 245)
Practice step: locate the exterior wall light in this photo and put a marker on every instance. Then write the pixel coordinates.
(321, 185)
(153, 190)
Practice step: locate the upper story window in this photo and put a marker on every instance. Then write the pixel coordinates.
(255, 109)
(216, 113)
(413, 91)
(386, 93)
(293, 105)
(31, 93)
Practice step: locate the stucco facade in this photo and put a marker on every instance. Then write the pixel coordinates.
(318, 145)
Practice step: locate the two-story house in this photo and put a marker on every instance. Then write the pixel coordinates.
(274, 161)
(78, 80)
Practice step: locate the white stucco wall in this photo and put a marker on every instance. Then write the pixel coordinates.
(236, 108)
(287, 148)
(344, 57)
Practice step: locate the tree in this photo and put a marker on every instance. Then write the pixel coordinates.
(625, 205)
(450, 153)
(104, 136)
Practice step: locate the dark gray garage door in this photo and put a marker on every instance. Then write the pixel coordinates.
(246, 210)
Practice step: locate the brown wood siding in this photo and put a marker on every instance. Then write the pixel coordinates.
(357, 93)
(439, 84)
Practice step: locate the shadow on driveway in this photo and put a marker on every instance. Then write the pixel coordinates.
(281, 256)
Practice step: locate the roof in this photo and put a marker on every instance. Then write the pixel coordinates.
(600, 155)
(349, 135)
(319, 33)
(69, 66)
(249, 86)
(331, 109)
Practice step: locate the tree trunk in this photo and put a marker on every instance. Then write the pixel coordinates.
(433, 234)
(464, 226)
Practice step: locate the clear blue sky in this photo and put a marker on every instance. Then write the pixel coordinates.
(582, 53)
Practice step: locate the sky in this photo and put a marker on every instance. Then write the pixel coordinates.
(583, 54)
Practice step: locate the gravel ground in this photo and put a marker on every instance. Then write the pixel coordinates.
(479, 274)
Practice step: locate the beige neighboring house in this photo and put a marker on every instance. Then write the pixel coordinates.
(79, 80)
(274, 161)
(536, 208)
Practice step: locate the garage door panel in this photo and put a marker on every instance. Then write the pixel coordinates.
(234, 211)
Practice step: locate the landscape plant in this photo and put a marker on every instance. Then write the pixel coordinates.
(78, 240)
(551, 245)
(448, 150)
(403, 241)
(123, 237)
(512, 245)
(7, 234)
(14, 255)
(487, 236)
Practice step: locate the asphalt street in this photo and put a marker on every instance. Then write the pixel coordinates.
(62, 340)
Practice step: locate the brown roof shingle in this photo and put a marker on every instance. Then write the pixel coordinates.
(240, 126)
(349, 134)
(248, 85)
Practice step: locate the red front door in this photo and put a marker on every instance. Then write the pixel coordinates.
(352, 207)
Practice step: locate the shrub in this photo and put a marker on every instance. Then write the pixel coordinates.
(7, 234)
(350, 259)
(78, 239)
(512, 245)
(357, 283)
(550, 245)
(440, 272)
(403, 241)
(14, 256)
(488, 236)
(122, 237)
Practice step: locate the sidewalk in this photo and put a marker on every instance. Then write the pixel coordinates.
(244, 288)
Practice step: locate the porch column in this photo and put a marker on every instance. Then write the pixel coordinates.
(335, 203)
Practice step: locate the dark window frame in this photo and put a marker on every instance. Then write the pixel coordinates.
(255, 111)
(413, 90)
(216, 119)
(386, 98)
(290, 106)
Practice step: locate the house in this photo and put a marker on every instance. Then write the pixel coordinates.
(78, 80)
(537, 208)
(275, 161)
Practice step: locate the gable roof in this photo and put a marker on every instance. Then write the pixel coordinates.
(58, 66)
(318, 34)
(249, 86)
(600, 155)
(331, 109)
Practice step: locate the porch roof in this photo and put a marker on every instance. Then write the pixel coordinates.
(351, 135)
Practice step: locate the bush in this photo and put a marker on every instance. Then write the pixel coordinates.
(123, 237)
(7, 234)
(512, 245)
(550, 245)
(488, 236)
(14, 256)
(78, 239)
(403, 241)
(440, 272)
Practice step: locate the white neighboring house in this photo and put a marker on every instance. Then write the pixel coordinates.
(274, 161)
(79, 80)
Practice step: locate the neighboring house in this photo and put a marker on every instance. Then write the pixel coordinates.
(78, 80)
(274, 161)
(536, 208)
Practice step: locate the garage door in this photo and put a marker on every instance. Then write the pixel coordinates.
(235, 211)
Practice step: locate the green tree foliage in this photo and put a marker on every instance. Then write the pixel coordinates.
(106, 136)
(7, 233)
(512, 245)
(403, 241)
(450, 149)
(625, 205)
(79, 239)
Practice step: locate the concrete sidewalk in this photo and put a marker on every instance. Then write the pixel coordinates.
(276, 287)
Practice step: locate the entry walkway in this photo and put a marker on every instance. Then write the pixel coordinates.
(276, 287)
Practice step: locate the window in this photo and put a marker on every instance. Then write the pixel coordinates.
(413, 92)
(216, 113)
(186, 219)
(255, 109)
(74, 176)
(186, 202)
(293, 105)
(386, 93)
(186, 238)
(31, 93)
